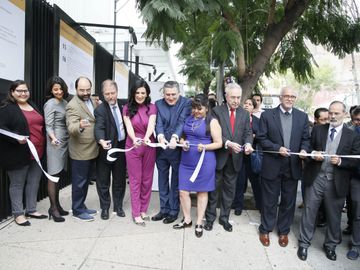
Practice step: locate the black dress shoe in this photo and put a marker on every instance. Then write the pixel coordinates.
(30, 215)
(330, 254)
(104, 214)
(169, 219)
(238, 212)
(120, 212)
(159, 216)
(182, 225)
(208, 226)
(226, 225)
(302, 253)
(198, 230)
(347, 230)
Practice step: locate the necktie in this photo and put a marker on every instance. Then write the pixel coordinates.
(332, 133)
(232, 120)
(117, 122)
(357, 129)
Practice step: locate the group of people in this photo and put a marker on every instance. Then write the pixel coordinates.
(207, 148)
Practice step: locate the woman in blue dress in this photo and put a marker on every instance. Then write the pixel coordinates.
(201, 132)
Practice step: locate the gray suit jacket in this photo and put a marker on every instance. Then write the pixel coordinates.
(242, 134)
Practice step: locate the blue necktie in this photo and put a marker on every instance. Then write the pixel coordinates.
(332, 133)
(357, 129)
(117, 123)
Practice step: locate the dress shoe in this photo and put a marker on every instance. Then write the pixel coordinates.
(302, 253)
(353, 253)
(347, 230)
(198, 230)
(36, 216)
(208, 226)
(159, 216)
(330, 254)
(283, 240)
(169, 219)
(226, 225)
(182, 225)
(104, 214)
(55, 215)
(238, 212)
(264, 239)
(120, 212)
(23, 223)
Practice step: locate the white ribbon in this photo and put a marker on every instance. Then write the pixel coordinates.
(198, 166)
(115, 150)
(311, 154)
(32, 150)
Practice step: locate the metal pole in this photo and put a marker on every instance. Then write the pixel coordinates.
(114, 39)
(356, 83)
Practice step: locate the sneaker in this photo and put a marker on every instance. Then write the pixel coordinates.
(353, 253)
(84, 217)
(90, 211)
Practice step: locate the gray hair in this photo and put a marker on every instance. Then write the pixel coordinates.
(338, 102)
(109, 83)
(231, 86)
(171, 84)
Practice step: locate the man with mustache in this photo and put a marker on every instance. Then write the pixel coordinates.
(83, 148)
(327, 178)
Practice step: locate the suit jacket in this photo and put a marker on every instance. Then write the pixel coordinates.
(13, 154)
(105, 128)
(171, 120)
(82, 145)
(349, 145)
(270, 136)
(242, 134)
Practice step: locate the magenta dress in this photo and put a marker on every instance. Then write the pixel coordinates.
(140, 161)
(195, 131)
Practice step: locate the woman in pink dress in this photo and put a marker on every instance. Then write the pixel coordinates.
(139, 118)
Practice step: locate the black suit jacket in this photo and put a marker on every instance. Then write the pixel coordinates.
(349, 145)
(242, 134)
(270, 136)
(105, 128)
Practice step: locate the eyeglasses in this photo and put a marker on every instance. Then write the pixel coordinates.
(356, 119)
(289, 97)
(19, 91)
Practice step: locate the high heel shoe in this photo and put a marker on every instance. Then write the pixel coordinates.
(25, 223)
(62, 212)
(56, 218)
(198, 230)
(39, 216)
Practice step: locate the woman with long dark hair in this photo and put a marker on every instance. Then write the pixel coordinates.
(57, 141)
(19, 115)
(139, 119)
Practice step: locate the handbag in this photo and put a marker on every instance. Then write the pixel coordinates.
(256, 160)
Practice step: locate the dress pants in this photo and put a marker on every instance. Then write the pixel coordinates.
(80, 174)
(29, 175)
(321, 189)
(355, 195)
(141, 163)
(168, 192)
(224, 192)
(285, 186)
(104, 171)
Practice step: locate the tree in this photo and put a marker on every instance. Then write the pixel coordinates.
(251, 38)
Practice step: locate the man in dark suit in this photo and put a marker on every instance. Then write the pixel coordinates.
(282, 129)
(236, 132)
(327, 178)
(173, 109)
(110, 133)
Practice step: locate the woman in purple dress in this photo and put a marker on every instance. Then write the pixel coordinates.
(201, 132)
(139, 118)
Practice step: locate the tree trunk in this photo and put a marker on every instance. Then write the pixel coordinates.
(274, 34)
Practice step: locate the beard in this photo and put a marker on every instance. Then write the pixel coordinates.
(84, 97)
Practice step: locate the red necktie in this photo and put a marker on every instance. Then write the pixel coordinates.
(232, 120)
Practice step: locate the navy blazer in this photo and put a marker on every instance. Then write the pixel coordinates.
(270, 136)
(242, 134)
(170, 119)
(105, 127)
(349, 145)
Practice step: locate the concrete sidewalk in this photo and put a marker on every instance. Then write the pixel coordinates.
(119, 244)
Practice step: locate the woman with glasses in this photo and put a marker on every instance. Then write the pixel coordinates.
(19, 115)
(201, 132)
(57, 141)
